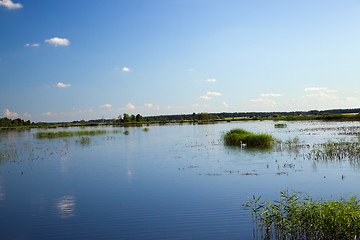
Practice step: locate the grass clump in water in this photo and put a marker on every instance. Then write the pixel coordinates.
(280, 125)
(68, 133)
(83, 140)
(240, 137)
(300, 217)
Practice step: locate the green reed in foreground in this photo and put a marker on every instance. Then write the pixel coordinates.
(239, 137)
(300, 217)
(68, 133)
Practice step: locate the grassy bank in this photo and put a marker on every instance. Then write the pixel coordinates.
(296, 216)
(240, 137)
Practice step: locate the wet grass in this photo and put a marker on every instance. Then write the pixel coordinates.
(297, 216)
(68, 133)
(241, 137)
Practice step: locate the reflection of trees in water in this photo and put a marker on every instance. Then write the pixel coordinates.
(66, 206)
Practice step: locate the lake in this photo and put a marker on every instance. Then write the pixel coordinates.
(171, 182)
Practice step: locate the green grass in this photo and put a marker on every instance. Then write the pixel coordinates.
(280, 125)
(239, 137)
(297, 216)
(68, 133)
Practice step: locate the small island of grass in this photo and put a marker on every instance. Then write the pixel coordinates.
(241, 137)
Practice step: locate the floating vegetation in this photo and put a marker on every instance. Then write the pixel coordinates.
(240, 137)
(250, 174)
(280, 125)
(83, 140)
(300, 217)
(68, 134)
(126, 132)
(145, 129)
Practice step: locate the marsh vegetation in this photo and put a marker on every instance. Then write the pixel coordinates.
(297, 216)
(241, 137)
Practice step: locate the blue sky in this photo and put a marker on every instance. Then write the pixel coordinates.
(72, 60)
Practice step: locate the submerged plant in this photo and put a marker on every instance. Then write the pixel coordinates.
(241, 137)
(83, 140)
(297, 216)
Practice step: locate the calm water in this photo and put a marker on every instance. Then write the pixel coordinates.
(172, 182)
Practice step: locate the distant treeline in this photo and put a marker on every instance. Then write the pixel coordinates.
(6, 122)
(334, 114)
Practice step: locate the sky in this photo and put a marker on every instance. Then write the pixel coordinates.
(87, 59)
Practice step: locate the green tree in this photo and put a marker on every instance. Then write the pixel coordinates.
(139, 118)
(126, 118)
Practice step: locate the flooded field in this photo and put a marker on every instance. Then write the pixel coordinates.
(161, 182)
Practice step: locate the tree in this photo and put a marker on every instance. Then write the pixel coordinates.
(139, 118)
(132, 117)
(126, 118)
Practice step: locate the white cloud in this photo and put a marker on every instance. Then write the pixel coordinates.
(106, 106)
(225, 105)
(49, 114)
(263, 101)
(10, 5)
(151, 106)
(319, 89)
(213, 94)
(191, 70)
(7, 113)
(63, 85)
(32, 45)
(195, 105)
(27, 115)
(211, 80)
(271, 95)
(58, 41)
(128, 107)
(126, 69)
(205, 97)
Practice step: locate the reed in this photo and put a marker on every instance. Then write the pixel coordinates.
(68, 133)
(335, 151)
(241, 137)
(280, 125)
(297, 216)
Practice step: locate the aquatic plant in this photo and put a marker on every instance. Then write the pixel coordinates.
(335, 151)
(297, 216)
(145, 129)
(241, 137)
(83, 140)
(68, 133)
(126, 132)
(280, 125)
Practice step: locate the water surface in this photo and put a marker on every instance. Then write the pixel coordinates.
(172, 182)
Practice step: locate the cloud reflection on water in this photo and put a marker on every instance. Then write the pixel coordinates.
(65, 206)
